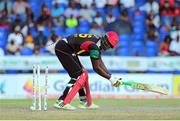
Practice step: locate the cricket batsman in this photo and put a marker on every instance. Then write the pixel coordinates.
(67, 50)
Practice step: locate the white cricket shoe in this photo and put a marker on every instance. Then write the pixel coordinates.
(59, 105)
(83, 105)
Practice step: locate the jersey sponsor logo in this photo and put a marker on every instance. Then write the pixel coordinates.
(83, 35)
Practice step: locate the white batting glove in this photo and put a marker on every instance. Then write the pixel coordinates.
(115, 81)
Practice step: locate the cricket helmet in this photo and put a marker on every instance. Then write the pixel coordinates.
(113, 38)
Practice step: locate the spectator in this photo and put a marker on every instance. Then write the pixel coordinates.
(167, 7)
(153, 19)
(175, 22)
(28, 25)
(72, 10)
(1, 52)
(45, 16)
(164, 46)
(6, 5)
(17, 21)
(110, 18)
(77, 4)
(57, 10)
(174, 47)
(14, 12)
(100, 4)
(58, 21)
(12, 48)
(95, 29)
(29, 14)
(152, 34)
(71, 22)
(19, 7)
(65, 2)
(129, 4)
(37, 51)
(174, 29)
(177, 12)
(86, 13)
(40, 39)
(98, 19)
(16, 36)
(29, 41)
(29, 21)
(87, 3)
(4, 19)
(151, 5)
(112, 3)
(174, 32)
(124, 16)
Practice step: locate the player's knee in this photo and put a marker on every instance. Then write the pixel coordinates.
(76, 74)
(80, 77)
(71, 82)
(83, 78)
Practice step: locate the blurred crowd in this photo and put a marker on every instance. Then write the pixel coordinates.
(26, 26)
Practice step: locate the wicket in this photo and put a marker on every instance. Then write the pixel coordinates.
(37, 86)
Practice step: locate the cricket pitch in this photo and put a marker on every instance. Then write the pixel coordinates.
(110, 109)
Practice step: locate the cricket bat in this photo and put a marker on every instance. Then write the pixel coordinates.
(146, 87)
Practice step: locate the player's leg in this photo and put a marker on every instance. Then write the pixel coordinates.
(77, 86)
(71, 64)
(74, 69)
(88, 103)
(75, 63)
(82, 95)
(82, 81)
(66, 90)
(70, 84)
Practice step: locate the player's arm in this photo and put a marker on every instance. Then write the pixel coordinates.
(99, 67)
(103, 66)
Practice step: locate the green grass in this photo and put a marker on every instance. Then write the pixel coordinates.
(110, 109)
